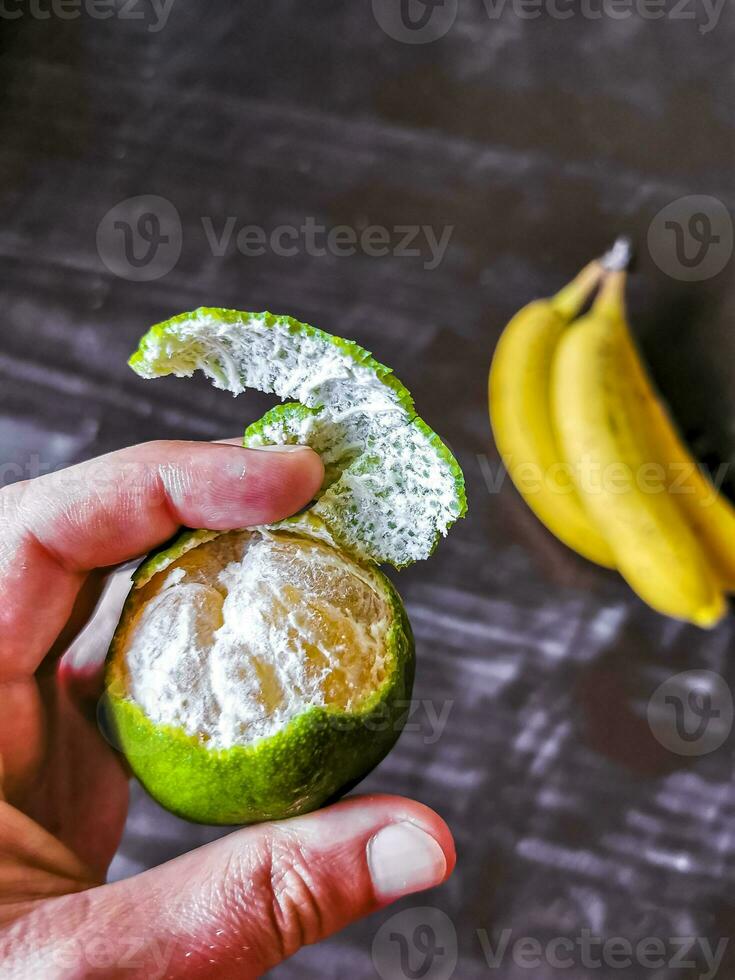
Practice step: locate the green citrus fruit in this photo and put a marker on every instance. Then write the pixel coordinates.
(256, 674)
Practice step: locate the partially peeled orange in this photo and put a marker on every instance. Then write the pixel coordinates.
(256, 674)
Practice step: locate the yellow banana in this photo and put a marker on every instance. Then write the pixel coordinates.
(710, 515)
(518, 389)
(608, 422)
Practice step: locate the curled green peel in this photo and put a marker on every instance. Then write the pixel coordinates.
(391, 487)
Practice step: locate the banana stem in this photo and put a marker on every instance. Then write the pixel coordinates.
(611, 297)
(570, 300)
(619, 256)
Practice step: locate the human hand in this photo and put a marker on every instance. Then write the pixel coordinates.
(235, 907)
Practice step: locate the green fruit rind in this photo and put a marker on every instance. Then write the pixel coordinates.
(392, 488)
(179, 346)
(162, 557)
(314, 758)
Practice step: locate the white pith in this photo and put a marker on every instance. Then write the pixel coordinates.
(390, 492)
(250, 630)
(269, 357)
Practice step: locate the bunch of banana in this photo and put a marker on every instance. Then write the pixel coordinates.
(594, 453)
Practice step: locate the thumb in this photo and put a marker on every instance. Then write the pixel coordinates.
(238, 906)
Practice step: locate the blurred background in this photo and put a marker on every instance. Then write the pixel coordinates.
(409, 175)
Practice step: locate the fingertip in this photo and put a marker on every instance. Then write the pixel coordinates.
(407, 846)
(288, 476)
(406, 812)
(234, 487)
(437, 827)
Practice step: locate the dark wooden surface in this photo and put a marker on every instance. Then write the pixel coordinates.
(537, 140)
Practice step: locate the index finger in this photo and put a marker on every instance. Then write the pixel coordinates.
(55, 529)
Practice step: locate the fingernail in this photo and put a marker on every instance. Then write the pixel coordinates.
(282, 449)
(403, 859)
